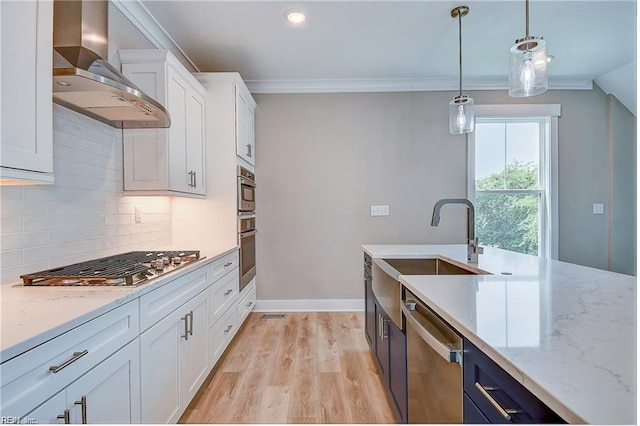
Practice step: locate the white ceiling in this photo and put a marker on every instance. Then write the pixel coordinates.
(395, 39)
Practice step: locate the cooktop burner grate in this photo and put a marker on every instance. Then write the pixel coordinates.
(121, 269)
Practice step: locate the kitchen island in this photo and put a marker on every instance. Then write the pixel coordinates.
(565, 332)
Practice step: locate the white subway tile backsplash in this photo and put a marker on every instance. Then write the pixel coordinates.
(10, 258)
(24, 239)
(85, 214)
(10, 224)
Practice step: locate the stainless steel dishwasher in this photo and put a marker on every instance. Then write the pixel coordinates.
(434, 370)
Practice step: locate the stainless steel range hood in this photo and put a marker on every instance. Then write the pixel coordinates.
(86, 83)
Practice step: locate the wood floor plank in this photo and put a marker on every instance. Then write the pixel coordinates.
(328, 357)
(311, 367)
(333, 406)
(286, 341)
(274, 404)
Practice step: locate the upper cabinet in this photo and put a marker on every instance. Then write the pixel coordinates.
(165, 161)
(26, 35)
(245, 135)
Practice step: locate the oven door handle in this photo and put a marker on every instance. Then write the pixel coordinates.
(244, 181)
(248, 233)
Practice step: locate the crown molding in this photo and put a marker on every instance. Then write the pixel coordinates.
(144, 21)
(403, 85)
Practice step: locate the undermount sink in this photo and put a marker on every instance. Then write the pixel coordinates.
(428, 267)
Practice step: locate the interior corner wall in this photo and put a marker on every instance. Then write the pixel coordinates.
(623, 189)
(324, 159)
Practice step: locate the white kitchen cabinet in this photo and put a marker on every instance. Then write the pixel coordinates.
(98, 359)
(175, 354)
(245, 135)
(26, 129)
(109, 393)
(165, 161)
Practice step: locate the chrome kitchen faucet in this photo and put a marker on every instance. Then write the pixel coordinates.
(472, 242)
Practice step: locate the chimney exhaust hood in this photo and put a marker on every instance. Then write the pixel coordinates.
(84, 82)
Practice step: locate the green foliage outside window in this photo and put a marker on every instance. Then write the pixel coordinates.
(509, 221)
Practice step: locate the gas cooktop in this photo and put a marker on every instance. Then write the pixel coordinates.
(127, 269)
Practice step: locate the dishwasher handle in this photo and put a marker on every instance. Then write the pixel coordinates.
(445, 350)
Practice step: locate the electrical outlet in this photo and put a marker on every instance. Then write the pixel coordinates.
(137, 216)
(379, 210)
(598, 208)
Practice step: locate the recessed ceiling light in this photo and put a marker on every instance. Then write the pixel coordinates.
(295, 17)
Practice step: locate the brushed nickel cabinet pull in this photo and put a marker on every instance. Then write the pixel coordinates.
(66, 416)
(83, 404)
(228, 264)
(229, 327)
(76, 356)
(186, 326)
(195, 180)
(249, 304)
(504, 412)
(191, 323)
(228, 292)
(384, 334)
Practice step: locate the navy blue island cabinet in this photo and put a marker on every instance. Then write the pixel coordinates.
(388, 345)
(491, 395)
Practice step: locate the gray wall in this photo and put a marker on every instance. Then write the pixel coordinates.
(323, 159)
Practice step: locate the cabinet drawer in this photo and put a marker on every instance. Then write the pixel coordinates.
(29, 379)
(500, 397)
(224, 293)
(246, 305)
(160, 302)
(221, 334)
(223, 266)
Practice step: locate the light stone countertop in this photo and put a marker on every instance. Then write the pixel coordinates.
(31, 315)
(566, 332)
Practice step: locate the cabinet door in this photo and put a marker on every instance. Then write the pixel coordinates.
(382, 346)
(26, 34)
(369, 313)
(48, 412)
(250, 134)
(398, 368)
(244, 126)
(194, 359)
(160, 371)
(109, 393)
(177, 95)
(195, 143)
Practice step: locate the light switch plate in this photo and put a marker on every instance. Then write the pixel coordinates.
(598, 208)
(379, 210)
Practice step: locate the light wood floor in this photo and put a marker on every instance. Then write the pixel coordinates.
(312, 367)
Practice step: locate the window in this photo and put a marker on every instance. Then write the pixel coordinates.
(512, 177)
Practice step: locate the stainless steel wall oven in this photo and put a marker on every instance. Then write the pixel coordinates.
(246, 225)
(247, 240)
(246, 191)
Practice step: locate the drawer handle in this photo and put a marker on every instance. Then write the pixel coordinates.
(229, 327)
(66, 416)
(83, 404)
(76, 356)
(504, 412)
(249, 304)
(191, 323)
(228, 264)
(228, 292)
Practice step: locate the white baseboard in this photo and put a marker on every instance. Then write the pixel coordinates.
(310, 305)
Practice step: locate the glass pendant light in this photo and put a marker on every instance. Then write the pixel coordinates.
(528, 64)
(461, 112)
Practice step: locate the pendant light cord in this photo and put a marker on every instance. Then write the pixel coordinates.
(460, 50)
(526, 14)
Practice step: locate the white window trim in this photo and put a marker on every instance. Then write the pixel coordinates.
(552, 112)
